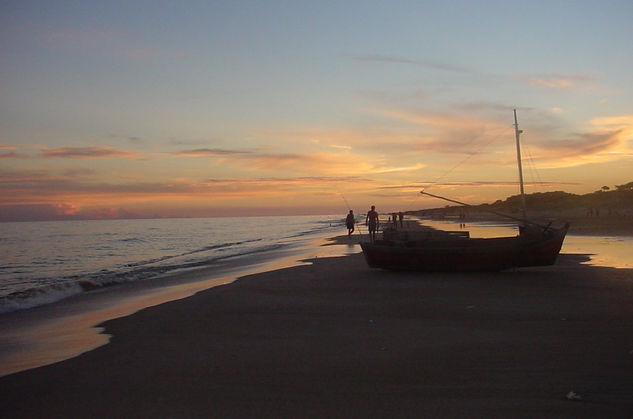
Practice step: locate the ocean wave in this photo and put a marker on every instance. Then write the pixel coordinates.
(38, 296)
(50, 290)
(45, 265)
(221, 246)
(132, 240)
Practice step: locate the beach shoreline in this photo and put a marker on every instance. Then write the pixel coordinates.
(335, 338)
(67, 328)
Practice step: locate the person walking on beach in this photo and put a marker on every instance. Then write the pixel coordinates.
(401, 217)
(372, 222)
(349, 223)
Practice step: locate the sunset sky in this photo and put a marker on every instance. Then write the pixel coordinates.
(113, 109)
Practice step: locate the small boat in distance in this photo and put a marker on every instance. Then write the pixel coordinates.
(436, 251)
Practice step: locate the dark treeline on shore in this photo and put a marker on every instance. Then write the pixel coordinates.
(604, 202)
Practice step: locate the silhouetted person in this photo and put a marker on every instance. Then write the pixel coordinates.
(401, 216)
(372, 222)
(349, 223)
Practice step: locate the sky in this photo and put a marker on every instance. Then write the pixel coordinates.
(123, 109)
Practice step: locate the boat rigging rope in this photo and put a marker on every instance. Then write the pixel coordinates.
(350, 208)
(468, 157)
(530, 160)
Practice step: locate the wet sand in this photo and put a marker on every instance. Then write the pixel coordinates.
(337, 339)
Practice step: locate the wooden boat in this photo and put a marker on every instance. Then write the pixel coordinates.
(535, 245)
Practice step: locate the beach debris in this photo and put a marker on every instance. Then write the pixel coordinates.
(572, 395)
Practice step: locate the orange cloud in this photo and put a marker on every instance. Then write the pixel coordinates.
(608, 140)
(623, 123)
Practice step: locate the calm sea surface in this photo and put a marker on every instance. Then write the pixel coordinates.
(43, 262)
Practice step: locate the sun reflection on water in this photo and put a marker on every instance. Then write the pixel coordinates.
(613, 252)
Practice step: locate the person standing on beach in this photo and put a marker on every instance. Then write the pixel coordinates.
(372, 222)
(349, 223)
(401, 217)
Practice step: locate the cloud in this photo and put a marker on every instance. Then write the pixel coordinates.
(493, 184)
(327, 164)
(39, 212)
(39, 197)
(608, 140)
(38, 188)
(298, 163)
(382, 58)
(7, 151)
(209, 152)
(78, 172)
(623, 123)
(584, 144)
(422, 185)
(558, 81)
(12, 155)
(444, 133)
(398, 169)
(87, 152)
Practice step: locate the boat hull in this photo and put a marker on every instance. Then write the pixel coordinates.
(467, 254)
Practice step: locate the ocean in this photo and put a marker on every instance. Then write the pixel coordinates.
(44, 262)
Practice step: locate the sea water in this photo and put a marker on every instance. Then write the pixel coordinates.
(44, 262)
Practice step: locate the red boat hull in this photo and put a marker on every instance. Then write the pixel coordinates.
(466, 254)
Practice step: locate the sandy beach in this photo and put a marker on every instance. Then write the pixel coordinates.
(337, 339)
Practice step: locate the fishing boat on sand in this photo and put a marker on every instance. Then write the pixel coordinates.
(432, 251)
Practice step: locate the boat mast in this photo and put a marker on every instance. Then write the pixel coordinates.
(517, 133)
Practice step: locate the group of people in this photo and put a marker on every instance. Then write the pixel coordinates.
(372, 222)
